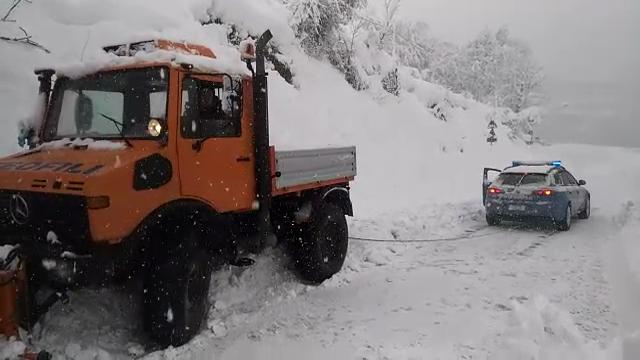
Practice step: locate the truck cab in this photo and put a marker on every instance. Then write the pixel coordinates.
(158, 166)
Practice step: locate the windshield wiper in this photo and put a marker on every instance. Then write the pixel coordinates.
(119, 126)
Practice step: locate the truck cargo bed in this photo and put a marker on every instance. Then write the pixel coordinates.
(306, 169)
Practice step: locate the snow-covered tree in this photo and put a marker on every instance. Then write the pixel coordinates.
(492, 68)
(318, 25)
(520, 77)
(390, 83)
(387, 30)
(500, 70)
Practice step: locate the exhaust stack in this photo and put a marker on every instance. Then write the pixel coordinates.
(261, 137)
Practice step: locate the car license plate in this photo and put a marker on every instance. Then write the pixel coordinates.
(517, 207)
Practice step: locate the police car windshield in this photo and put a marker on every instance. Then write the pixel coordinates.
(111, 104)
(514, 179)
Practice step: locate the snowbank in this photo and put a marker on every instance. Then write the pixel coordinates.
(539, 330)
(11, 349)
(623, 272)
(629, 236)
(4, 252)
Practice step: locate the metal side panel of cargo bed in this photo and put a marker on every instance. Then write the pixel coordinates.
(301, 168)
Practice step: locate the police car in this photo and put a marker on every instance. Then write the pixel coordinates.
(542, 190)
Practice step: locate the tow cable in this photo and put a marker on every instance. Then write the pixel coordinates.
(471, 234)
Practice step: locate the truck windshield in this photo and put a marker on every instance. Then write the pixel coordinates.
(111, 104)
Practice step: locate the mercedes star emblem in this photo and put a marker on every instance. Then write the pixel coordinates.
(19, 209)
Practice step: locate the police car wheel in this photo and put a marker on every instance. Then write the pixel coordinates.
(564, 224)
(586, 212)
(493, 220)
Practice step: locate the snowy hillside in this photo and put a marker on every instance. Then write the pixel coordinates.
(320, 110)
(420, 161)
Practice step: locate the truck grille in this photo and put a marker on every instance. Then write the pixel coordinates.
(75, 185)
(30, 216)
(39, 183)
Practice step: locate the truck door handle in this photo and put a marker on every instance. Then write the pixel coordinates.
(243, 159)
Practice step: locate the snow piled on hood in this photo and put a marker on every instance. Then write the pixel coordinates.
(88, 142)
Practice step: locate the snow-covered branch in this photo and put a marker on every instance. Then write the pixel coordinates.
(26, 38)
(13, 6)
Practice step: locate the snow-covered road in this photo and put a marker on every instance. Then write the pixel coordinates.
(508, 293)
(449, 300)
(515, 293)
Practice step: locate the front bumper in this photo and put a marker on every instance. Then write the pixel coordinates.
(61, 268)
(54, 234)
(44, 216)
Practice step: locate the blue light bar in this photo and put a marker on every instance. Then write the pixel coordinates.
(555, 163)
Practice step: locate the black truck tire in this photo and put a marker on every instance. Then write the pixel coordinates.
(176, 288)
(321, 250)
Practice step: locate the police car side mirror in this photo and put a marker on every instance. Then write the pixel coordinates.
(582, 183)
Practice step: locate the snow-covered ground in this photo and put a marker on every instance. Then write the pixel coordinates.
(511, 292)
(500, 293)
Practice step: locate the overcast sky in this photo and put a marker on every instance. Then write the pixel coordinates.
(592, 42)
(573, 39)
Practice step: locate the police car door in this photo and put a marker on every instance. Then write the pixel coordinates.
(571, 188)
(489, 175)
(579, 193)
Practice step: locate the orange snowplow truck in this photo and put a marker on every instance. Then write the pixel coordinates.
(161, 170)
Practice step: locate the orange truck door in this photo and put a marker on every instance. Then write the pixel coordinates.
(216, 156)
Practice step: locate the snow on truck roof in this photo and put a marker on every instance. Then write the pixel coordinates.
(224, 60)
(530, 169)
(130, 49)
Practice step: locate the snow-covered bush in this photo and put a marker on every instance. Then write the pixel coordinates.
(318, 24)
(521, 124)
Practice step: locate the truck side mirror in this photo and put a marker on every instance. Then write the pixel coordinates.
(83, 113)
(582, 183)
